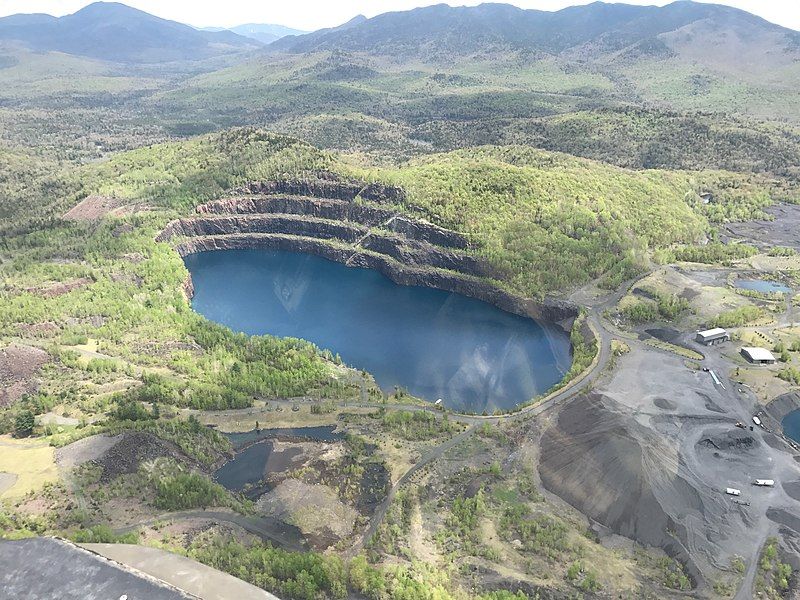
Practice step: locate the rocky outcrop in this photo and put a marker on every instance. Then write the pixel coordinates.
(222, 225)
(419, 230)
(407, 251)
(188, 288)
(351, 222)
(338, 210)
(321, 208)
(424, 254)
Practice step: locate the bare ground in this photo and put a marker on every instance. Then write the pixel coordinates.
(765, 234)
(85, 450)
(6, 481)
(94, 208)
(650, 454)
(59, 288)
(18, 367)
(315, 509)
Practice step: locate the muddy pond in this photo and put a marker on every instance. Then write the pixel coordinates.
(435, 344)
(256, 456)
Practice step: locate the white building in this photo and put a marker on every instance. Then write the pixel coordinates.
(711, 337)
(758, 356)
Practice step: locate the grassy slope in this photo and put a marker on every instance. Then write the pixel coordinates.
(550, 221)
(134, 284)
(30, 75)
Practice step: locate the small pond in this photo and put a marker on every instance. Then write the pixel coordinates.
(255, 455)
(435, 344)
(762, 285)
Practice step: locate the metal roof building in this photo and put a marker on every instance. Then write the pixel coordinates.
(759, 356)
(711, 337)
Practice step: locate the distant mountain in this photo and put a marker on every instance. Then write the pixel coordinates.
(265, 33)
(588, 32)
(116, 32)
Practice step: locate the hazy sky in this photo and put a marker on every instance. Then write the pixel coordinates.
(314, 14)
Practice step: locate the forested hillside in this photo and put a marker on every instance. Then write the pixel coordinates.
(685, 55)
(611, 171)
(547, 221)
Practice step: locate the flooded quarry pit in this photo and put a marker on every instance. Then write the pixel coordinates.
(791, 425)
(435, 344)
(257, 457)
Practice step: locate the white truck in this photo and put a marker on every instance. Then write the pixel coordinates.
(733, 492)
(765, 482)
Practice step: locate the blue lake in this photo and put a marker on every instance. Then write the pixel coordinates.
(791, 425)
(763, 286)
(435, 344)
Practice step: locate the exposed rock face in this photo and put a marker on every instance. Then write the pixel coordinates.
(444, 280)
(324, 208)
(188, 288)
(783, 405)
(321, 217)
(410, 252)
(325, 229)
(429, 233)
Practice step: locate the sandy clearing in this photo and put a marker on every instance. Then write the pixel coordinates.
(32, 461)
(7, 480)
(51, 418)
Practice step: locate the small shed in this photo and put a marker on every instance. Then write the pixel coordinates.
(758, 356)
(712, 337)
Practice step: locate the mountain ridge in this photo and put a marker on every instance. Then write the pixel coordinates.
(119, 33)
(467, 30)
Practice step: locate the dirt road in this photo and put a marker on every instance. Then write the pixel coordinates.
(265, 528)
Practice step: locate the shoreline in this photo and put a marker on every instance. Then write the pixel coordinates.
(556, 313)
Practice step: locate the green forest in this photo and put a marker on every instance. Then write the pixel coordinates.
(568, 161)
